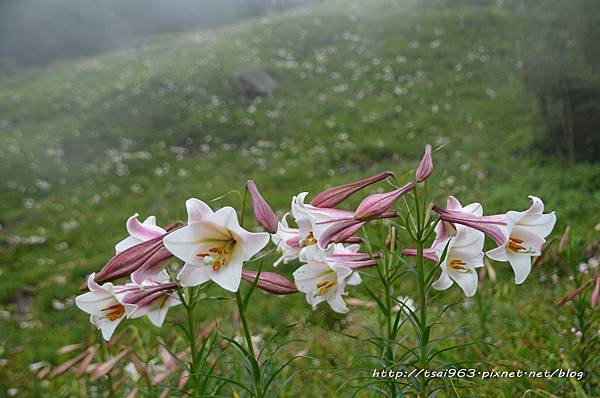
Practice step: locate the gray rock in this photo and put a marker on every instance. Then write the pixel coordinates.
(23, 299)
(253, 82)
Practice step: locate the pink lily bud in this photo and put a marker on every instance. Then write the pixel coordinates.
(353, 239)
(564, 240)
(270, 282)
(333, 196)
(62, 368)
(107, 366)
(595, 293)
(263, 213)
(374, 205)
(139, 261)
(426, 166)
(146, 295)
(489, 225)
(139, 365)
(69, 348)
(43, 372)
(341, 231)
(429, 253)
(361, 264)
(349, 258)
(353, 260)
(89, 357)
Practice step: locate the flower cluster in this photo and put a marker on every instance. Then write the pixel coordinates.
(324, 239)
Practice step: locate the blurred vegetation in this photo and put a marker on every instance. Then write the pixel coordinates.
(361, 87)
(562, 71)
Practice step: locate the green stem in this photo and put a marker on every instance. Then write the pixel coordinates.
(191, 334)
(251, 353)
(422, 291)
(423, 338)
(389, 352)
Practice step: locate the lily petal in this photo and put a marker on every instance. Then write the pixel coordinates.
(521, 265)
(467, 281)
(498, 254)
(193, 275)
(143, 231)
(540, 224)
(186, 242)
(127, 243)
(230, 275)
(197, 210)
(443, 282)
(93, 302)
(336, 302)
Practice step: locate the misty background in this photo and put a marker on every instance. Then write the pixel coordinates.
(108, 107)
(38, 32)
(560, 52)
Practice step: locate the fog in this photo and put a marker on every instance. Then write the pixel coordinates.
(38, 32)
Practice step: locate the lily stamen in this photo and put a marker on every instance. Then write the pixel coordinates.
(515, 244)
(310, 240)
(324, 286)
(459, 265)
(115, 311)
(217, 256)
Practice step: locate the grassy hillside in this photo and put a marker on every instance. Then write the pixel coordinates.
(362, 86)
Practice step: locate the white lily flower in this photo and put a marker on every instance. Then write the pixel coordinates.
(213, 245)
(444, 229)
(287, 240)
(153, 297)
(139, 232)
(324, 280)
(105, 306)
(463, 255)
(304, 220)
(526, 232)
(312, 221)
(156, 302)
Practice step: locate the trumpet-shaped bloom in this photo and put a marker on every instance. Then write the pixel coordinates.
(444, 229)
(141, 261)
(213, 245)
(307, 216)
(342, 229)
(139, 232)
(152, 298)
(105, 306)
(287, 240)
(324, 280)
(463, 255)
(339, 226)
(492, 226)
(350, 256)
(526, 232)
(141, 255)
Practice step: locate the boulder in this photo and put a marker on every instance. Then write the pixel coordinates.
(253, 82)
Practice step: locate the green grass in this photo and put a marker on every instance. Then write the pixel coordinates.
(362, 86)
